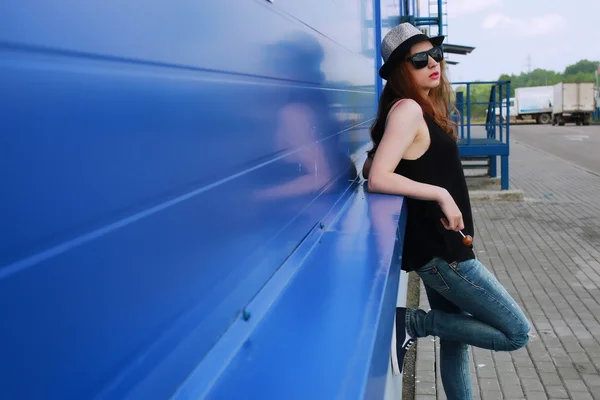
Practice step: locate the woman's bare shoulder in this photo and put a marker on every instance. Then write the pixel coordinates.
(405, 118)
(406, 108)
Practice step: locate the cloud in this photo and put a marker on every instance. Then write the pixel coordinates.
(457, 8)
(534, 26)
(494, 20)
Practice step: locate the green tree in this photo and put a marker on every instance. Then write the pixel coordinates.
(581, 71)
(537, 77)
(582, 67)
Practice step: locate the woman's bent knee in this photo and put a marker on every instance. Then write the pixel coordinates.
(518, 340)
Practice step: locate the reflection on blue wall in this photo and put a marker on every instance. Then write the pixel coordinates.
(160, 160)
(390, 11)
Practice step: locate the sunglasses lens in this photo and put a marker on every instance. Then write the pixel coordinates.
(420, 60)
(437, 54)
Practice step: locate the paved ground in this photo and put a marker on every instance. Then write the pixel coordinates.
(546, 251)
(577, 144)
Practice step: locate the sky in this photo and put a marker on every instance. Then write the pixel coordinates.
(511, 35)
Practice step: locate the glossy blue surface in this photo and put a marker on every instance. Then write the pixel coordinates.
(160, 161)
(321, 329)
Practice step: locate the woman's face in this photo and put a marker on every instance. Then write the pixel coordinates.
(427, 74)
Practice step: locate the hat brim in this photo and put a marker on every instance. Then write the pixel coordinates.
(401, 50)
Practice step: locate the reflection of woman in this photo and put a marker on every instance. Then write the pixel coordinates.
(306, 130)
(297, 124)
(416, 155)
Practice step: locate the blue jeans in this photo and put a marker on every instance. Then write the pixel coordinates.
(468, 307)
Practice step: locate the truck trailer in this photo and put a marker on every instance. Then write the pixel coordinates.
(530, 103)
(573, 102)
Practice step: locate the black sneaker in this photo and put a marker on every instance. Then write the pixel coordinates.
(403, 341)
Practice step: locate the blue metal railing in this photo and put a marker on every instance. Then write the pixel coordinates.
(408, 13)
(496, 125)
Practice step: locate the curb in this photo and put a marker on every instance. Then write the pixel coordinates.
(497, 195)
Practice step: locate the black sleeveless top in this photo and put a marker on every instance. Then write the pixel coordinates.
(425, 235)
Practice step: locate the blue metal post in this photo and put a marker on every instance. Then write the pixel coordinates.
(493, 159)
(462, 116)
(504, 160)
(440, 17)
(468, 105)
(460, 105)
(378, 60)
(490, 126)
(500, 124)
(596, 115)
(507, 113)
(504, 172)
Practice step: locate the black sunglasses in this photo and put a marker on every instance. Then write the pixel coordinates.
(421, 60)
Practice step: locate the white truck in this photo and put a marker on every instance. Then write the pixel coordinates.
(573, 102)
(530, 103)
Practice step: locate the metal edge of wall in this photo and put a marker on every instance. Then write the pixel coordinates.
(393, 384)
(377, 47)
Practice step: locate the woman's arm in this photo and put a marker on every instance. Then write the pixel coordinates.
(401, 130)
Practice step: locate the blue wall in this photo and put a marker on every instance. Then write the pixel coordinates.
(160, 160)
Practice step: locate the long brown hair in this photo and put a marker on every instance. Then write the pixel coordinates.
(402, 85)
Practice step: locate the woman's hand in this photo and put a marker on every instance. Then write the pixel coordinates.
(454, 219)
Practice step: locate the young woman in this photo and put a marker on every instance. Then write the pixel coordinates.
(415, 155)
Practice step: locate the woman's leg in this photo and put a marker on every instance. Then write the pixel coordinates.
(495, 322)
(454, 356)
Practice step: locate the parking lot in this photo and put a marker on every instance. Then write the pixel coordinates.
(580, 145)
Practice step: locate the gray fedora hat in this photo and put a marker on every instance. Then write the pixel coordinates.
(398, 41)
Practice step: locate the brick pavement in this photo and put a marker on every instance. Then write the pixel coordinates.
(546, 251)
